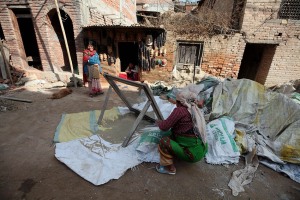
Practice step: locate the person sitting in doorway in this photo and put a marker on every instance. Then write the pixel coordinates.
(132, 72)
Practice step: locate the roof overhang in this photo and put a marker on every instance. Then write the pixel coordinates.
(124, 28)
(255, 41)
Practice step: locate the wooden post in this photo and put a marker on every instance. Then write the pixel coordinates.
(66, 42)
(194, 73)
(104, 105)
(136, 123)
(6, 62)
(141, 114)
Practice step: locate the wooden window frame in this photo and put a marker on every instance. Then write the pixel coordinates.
(198, 54)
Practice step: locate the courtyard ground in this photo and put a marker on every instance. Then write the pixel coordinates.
(29, 169)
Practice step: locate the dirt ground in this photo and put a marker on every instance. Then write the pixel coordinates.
(29, 169)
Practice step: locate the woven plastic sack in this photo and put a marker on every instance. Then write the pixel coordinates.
(147, 149)
(222, 148)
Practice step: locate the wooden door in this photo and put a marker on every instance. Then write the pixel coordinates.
(189, 54)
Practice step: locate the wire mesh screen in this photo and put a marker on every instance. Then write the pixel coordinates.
(290, 9)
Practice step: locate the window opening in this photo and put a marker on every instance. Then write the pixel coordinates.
(290, 9)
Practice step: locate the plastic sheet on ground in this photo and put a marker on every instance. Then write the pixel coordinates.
(165, 107)
(84, 124)
(254, 108)
(295, 97)
(242, 177)
(271, 118)
(97, 160)
(90, 156)
(292, 170)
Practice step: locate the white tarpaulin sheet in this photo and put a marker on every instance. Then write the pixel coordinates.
(272, 118)
(97, 160)
(273, 115)
(165, 107)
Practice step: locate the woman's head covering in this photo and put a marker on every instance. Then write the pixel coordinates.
(185, 97)
(188, 99)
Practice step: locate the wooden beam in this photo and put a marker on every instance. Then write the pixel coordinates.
(146, 16)
(6, 63)
(23, 16)
(136, 123)
(16, 99)
(104, 105)
(141, 114)
(66, 41)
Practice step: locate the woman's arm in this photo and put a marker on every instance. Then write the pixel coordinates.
(174, 117)
(85, 56)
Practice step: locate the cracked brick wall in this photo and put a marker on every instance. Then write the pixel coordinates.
(262, 25)
(223, 54)
(51, 47)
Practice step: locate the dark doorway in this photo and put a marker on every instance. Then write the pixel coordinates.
(24, 19)
(128, 52)
(62, 55)
(256, 62)
(1, 33)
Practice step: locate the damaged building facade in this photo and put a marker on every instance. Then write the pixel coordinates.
(262, 42)
(120, 45)
(253, 39)
(33, 34)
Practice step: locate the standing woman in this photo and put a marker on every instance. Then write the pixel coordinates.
(91, 70)
(188, 134)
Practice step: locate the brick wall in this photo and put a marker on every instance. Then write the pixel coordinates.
(261, 25)
(221, 55)
(51, 46)
(12, 35)
(50, 49)
(286, 63)
(111, 12)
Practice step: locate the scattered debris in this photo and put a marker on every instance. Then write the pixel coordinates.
(74, 80)
(3, 86)
(7, 105)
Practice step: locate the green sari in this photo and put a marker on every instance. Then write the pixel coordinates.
(183, 146)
